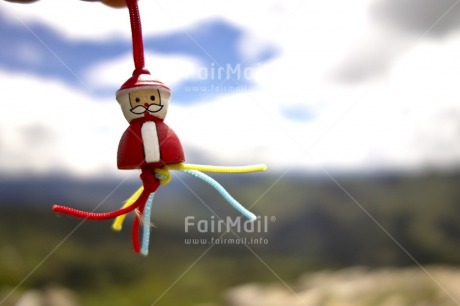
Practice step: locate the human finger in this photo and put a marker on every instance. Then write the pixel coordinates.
(111, 3)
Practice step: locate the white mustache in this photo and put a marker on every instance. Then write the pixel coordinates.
(140, 109)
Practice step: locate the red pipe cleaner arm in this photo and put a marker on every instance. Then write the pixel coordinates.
(136, 224)
(92, 215)
(135, 235)
(140, 202)
(151, 184)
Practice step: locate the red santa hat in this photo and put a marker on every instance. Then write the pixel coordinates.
(143, 80)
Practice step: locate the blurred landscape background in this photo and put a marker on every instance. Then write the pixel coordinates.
(353, 105)
(317, 227)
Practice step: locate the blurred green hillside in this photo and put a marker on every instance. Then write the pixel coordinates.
(315, 223)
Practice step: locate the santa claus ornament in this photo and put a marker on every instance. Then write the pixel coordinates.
(150, 145)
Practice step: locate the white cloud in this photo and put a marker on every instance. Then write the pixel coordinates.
(399, 120)
(77, 132)
(171, 70)
(251, 47)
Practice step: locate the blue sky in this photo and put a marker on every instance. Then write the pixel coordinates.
(212, 43)
(321, 86)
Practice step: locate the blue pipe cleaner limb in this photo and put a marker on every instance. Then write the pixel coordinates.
(223, 192)
(146, 225)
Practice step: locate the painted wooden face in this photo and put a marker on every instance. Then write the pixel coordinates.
(141, 102)
(145, 100)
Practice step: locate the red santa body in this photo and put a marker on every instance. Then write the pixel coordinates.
(131, 153)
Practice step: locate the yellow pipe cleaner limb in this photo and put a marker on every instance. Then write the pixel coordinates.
(165, 178)
(116, 226)
(220, 169)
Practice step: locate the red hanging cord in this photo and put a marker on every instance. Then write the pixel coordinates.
(136, 32)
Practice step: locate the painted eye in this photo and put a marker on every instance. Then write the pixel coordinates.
(152, 98)
(138, 99)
